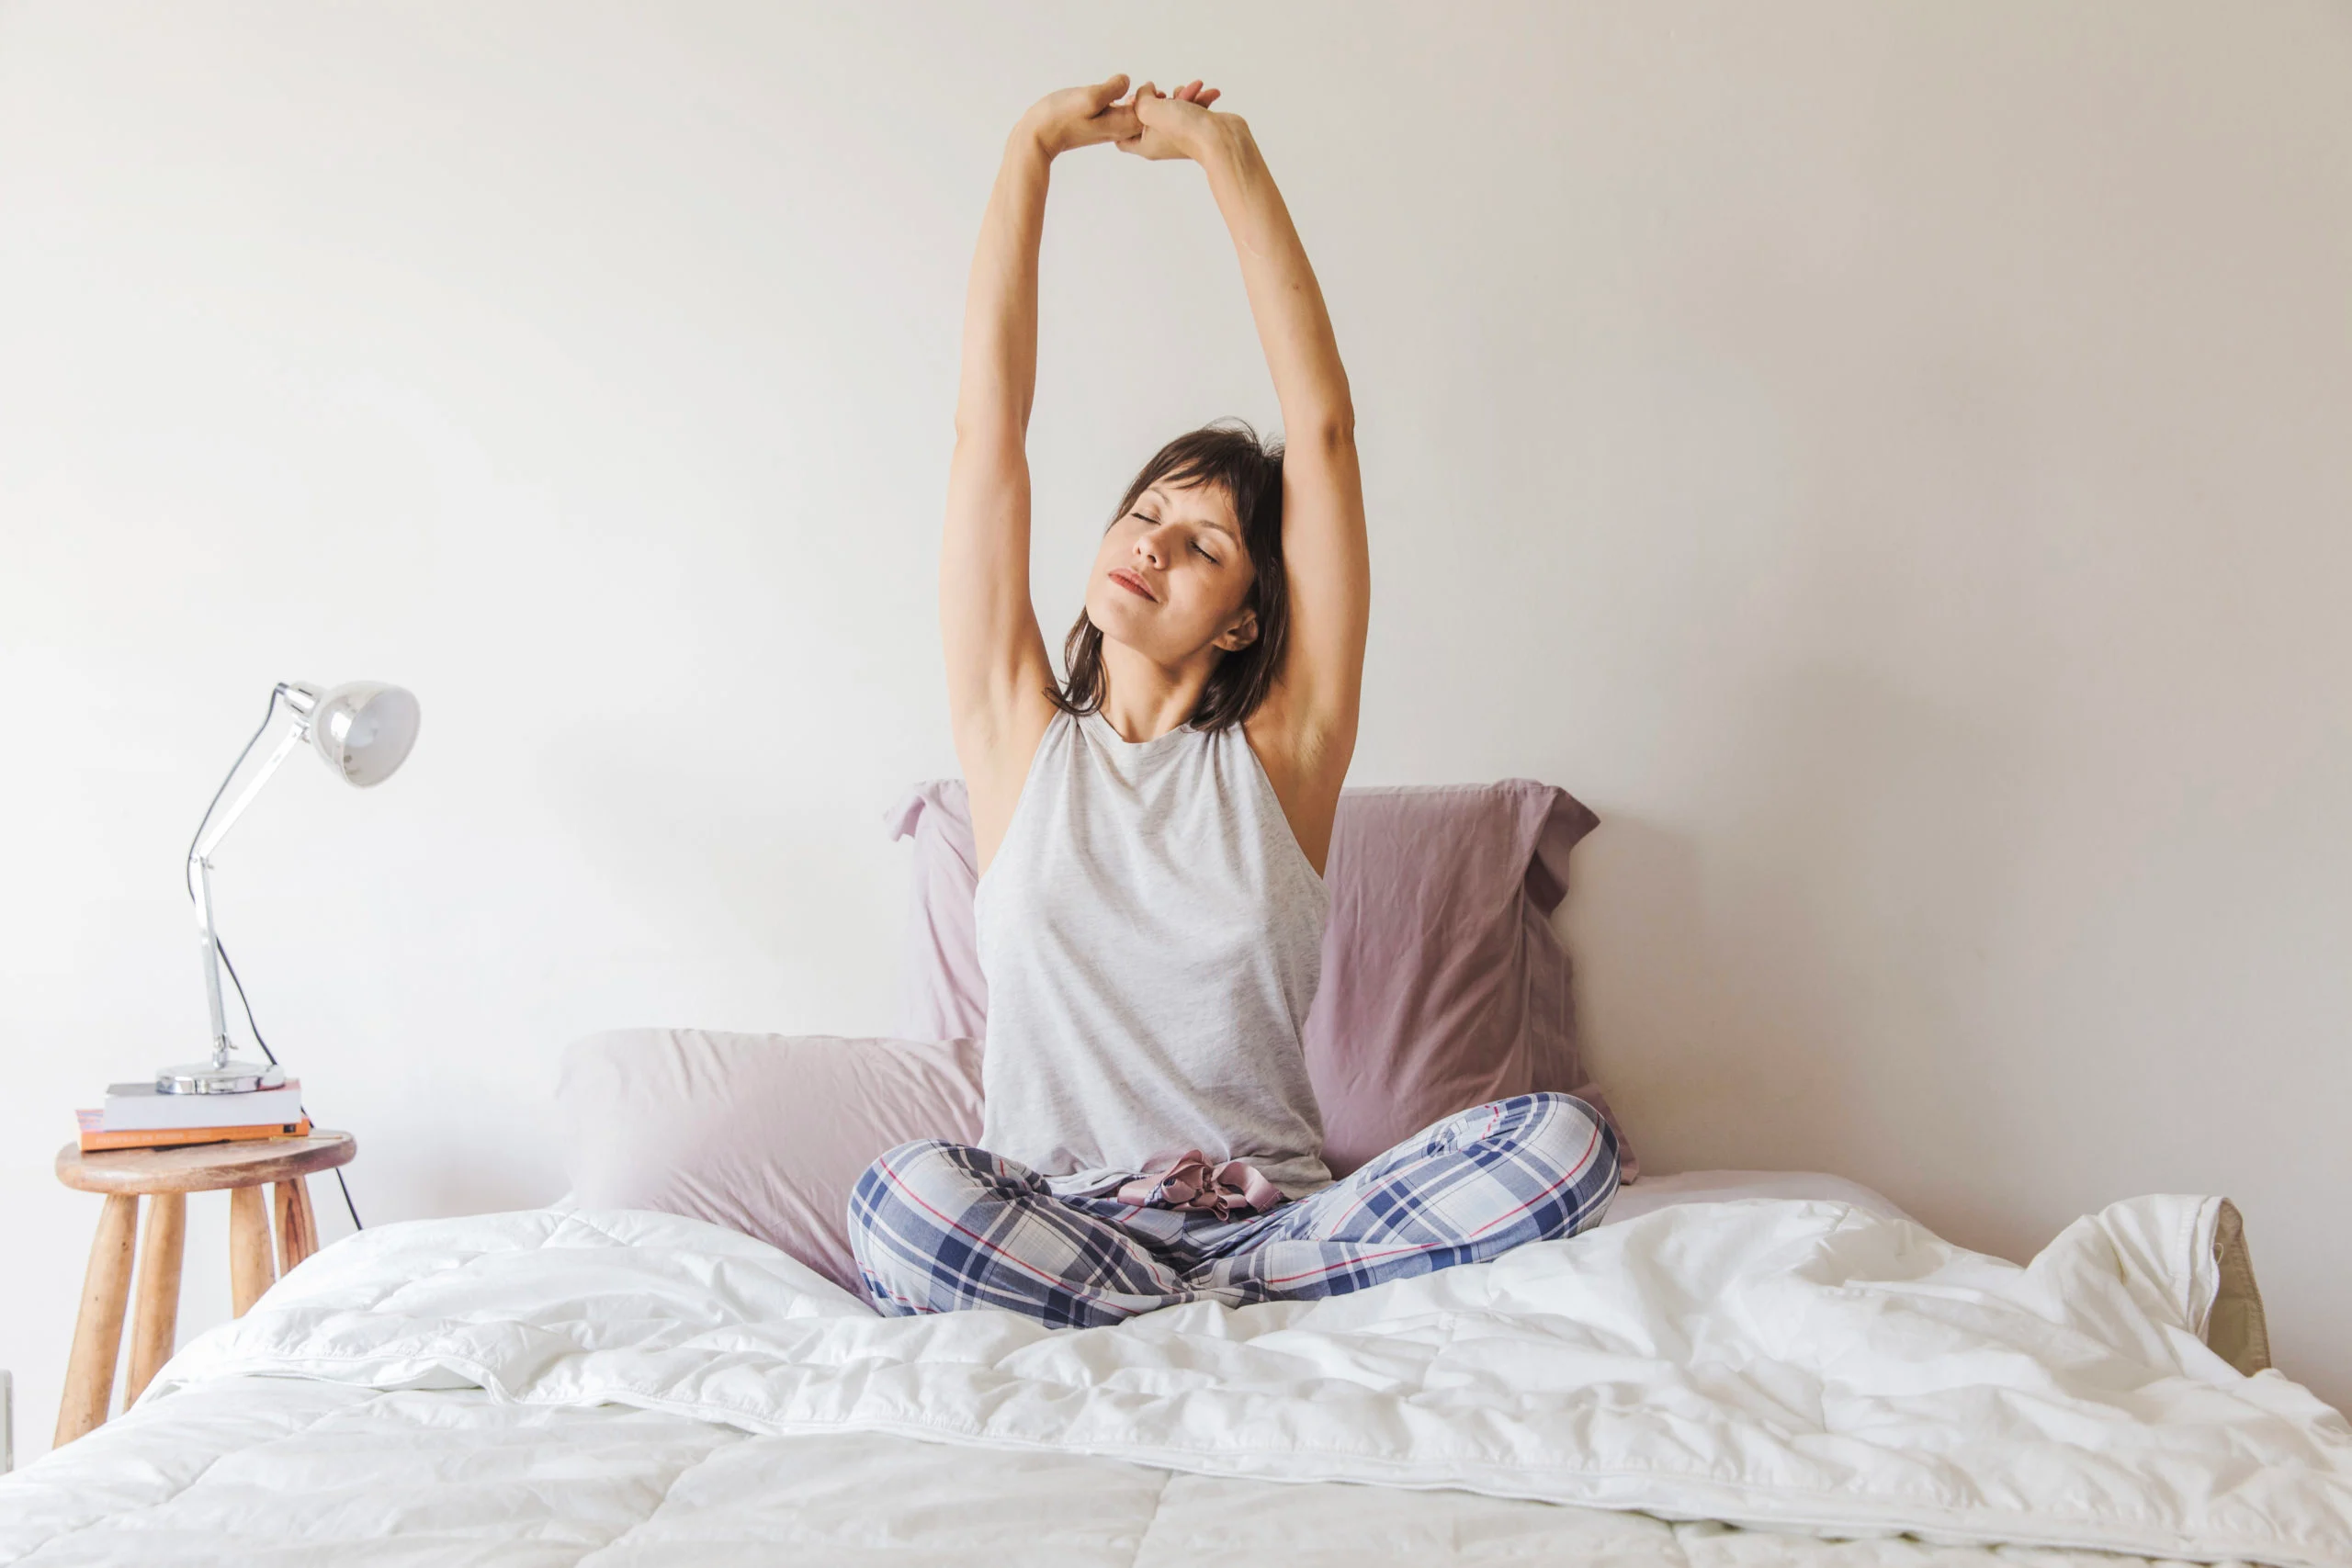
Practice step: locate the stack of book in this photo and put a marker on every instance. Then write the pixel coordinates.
(140, 1116)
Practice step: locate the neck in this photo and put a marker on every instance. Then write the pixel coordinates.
(1144, 700)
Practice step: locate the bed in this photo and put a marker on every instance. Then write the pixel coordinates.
(1737, 1369)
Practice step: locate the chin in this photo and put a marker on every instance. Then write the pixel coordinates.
(1116, 613)
(1148, 628)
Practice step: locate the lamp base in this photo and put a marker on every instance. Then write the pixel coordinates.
(219, 1078)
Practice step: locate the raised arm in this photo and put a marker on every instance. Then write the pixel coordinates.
(998, 670)
(1311, 712)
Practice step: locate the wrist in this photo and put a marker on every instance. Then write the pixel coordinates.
(1222, 141)
(1032, 137)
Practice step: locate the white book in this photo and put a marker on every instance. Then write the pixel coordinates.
(142, 1108)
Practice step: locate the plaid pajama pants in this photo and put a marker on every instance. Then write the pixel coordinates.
(937, 1226)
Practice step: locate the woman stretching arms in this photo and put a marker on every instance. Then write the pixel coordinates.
(1152, 831)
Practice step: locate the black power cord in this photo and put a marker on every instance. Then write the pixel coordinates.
(265, 1051)
(242, 1001)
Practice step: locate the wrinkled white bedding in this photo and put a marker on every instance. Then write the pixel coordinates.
(275, 1472)
(623, 1387)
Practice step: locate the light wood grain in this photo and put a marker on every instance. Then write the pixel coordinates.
(166, 1177)
(203, 1167)
(155, 1313)
(250, 1273)
(97, 1332)
(297, 1228)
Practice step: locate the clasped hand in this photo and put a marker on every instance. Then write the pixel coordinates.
(1150, 124)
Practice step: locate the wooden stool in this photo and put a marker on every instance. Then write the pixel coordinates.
(166, 1177)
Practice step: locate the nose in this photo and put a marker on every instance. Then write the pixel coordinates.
(1147, 546)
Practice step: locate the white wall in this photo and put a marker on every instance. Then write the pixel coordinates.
(1890, 461)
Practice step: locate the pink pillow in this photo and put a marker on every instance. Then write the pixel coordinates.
(942, 994)
(1443, 985)
(764, 1133)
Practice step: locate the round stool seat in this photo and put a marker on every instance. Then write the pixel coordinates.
(161, 1180)
(203, 1167)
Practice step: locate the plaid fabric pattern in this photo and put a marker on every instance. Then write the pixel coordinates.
(938, 1226)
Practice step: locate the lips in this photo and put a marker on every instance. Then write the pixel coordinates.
(1132, 583)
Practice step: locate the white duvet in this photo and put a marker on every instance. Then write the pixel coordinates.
(1805, 1366)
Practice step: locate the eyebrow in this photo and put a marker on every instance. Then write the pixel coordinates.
(1217, 523)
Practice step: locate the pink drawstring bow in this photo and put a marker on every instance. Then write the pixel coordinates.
(1189, 1181)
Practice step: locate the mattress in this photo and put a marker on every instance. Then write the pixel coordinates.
(616, 1388)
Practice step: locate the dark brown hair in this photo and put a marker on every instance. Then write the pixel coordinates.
(1225, 454)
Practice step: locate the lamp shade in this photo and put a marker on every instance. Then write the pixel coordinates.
(363, 730)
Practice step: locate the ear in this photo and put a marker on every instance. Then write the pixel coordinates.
(1241, 633)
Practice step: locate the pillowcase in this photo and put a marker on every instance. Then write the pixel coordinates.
(764, 1133)
(942, 994)
(1443, 985)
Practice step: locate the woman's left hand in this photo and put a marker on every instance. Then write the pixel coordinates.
(1173, 126)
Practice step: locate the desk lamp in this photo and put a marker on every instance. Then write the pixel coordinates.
(364, 731)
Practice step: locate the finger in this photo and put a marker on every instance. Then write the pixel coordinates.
(1107, 92)
(1208, 98)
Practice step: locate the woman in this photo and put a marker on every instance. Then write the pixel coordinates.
(1152, 833)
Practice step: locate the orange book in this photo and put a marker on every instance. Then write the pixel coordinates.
(94, 1138)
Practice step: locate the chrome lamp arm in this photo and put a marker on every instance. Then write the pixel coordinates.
(209, 834)
(364, 731)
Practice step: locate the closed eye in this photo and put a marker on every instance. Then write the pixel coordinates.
(1148, 521)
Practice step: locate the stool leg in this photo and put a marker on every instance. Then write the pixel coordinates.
(155, 1318)
(310, 1215)
(249, 1266)
(98, 1331)
(297, 1228)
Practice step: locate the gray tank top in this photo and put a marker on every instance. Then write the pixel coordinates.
(1151, 935)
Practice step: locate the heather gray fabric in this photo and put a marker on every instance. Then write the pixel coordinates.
(1444, 984)
(1151, 935)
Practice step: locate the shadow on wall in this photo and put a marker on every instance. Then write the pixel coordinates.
(1794, 975)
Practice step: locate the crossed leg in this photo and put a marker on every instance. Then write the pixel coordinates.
(938, 1226)
(1470, 1187)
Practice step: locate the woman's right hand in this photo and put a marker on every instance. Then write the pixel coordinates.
(1081, 117)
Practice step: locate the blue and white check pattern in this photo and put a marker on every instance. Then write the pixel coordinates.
(939, 1226)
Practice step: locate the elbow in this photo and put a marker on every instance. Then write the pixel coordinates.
(1332, 432)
